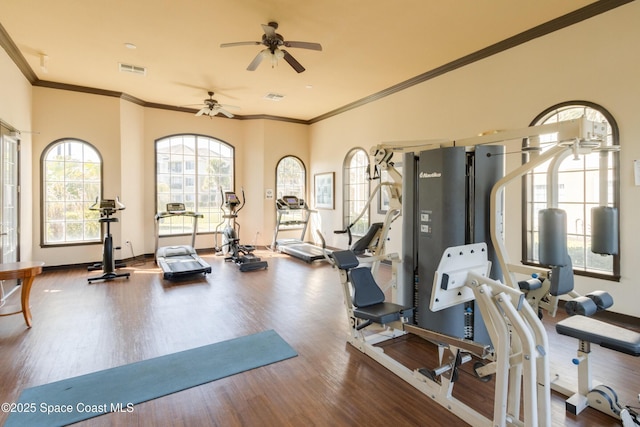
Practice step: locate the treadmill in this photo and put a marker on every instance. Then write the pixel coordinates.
(293, 212)
(182, 260)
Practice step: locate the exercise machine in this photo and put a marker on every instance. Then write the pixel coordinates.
(520, 355)
(241, 255)
(514, 342)
(292, 213)
(446, 204)
(107, 208)
(589, 331)
(545, 285)
(181, 260)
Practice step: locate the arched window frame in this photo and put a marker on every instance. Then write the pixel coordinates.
(183, 175)
(291, 177)
(291, 180)
(356, 190)
(67, 194)
(534, 196)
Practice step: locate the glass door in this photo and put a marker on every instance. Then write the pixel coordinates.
(9, 210)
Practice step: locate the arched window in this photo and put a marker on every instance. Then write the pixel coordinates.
(356, 190)
(578, 192)
(291, 178)
(193, 169)
(71, 182)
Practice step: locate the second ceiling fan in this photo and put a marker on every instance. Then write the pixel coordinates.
(213, 107)
(274, 41)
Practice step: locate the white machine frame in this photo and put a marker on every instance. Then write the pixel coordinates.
(520, 355)
(521, 348)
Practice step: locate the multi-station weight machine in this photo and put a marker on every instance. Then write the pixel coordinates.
(451, 290)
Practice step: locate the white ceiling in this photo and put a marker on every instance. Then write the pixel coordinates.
(368, 46)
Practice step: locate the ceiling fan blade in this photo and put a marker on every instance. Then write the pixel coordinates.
(304, 45)
(240, 44)
(269, 30)
(225, 112)
(202, 111)
(292, 61)
(256, 61)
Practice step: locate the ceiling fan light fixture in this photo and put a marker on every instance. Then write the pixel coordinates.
(273, 56)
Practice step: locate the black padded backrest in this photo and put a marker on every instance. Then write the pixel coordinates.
(562, 278)
(366, 291)
(363, 243)
(345, 260)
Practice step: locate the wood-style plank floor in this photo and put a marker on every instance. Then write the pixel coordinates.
(80, 328)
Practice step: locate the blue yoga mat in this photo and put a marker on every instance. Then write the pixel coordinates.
(118, 389)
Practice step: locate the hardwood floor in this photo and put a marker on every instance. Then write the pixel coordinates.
(80, 328)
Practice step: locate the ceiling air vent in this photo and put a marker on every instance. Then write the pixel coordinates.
(127, 68)
(273, 96)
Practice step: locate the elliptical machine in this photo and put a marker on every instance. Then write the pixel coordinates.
(242, 255)
(107, 208)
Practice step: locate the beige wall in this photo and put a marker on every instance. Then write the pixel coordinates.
(132, 157)
(15, 110)
(594, 60)
(61, 114)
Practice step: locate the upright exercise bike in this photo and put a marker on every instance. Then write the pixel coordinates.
(242, 255)
(107, 208)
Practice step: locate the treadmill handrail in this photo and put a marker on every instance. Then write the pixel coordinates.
(167, 214)
(160, 215)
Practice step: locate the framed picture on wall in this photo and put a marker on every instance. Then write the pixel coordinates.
(324, 190)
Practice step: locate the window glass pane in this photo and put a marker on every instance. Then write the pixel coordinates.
(291, 181)
(72, 174)
(191, 169)
(356, 191)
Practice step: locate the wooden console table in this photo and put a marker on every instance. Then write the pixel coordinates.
(25, 271)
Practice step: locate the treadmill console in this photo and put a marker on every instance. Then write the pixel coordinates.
(290, 202)
(175, 207)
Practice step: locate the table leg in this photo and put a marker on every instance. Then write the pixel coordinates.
(24, 299)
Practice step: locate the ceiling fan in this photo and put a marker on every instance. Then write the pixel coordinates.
(212, 108)
(273, 41)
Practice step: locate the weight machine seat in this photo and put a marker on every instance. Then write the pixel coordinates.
(598, 332)
(368, 298)
(345, 260)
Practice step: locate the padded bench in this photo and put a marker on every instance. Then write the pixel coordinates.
(602, 333)
(368, 298)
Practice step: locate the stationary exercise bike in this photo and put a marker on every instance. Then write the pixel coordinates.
(107, 208)
(242, 255)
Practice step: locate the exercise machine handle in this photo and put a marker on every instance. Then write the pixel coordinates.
(347, 231)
